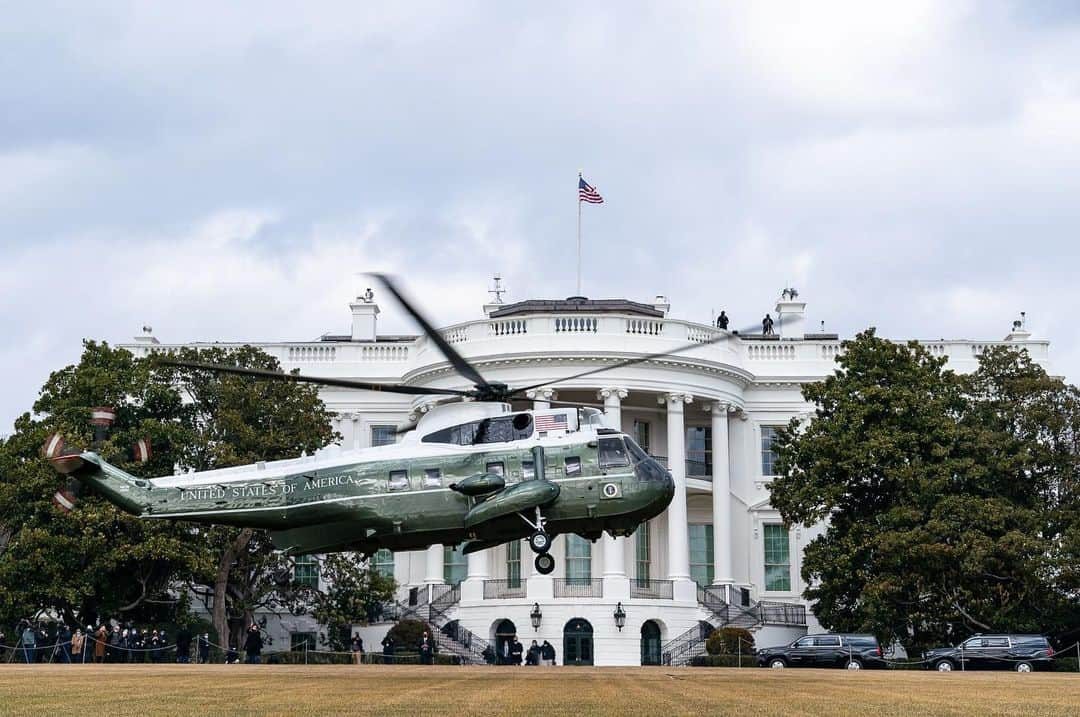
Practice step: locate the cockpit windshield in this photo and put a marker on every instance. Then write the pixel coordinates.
(636, 454)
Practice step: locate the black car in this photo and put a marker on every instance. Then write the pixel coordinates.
(827, 650)
(1023, 653)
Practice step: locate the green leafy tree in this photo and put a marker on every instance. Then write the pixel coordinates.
(97, 561)
(355, 591)
(942, 494)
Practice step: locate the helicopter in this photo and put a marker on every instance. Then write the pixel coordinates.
(472, 472)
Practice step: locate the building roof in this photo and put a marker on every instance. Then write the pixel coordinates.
(577, 303)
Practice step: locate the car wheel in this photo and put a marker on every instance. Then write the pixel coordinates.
(1024, 667)
(854, 664)
(944, 666)
(777, 664)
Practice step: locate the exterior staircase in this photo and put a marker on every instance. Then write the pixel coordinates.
(712, 600)
(436, 605)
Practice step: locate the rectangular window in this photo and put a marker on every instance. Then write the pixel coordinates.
(383, 435)
(306, 571)
(768, 453)
(528, 471)
(698, 451)
(496, 468)
(701, 553)
(777, 559)
(454, 565)
(399, 480)
(513, 564)
(613, 453)
(432, 478)
(578, 560)
(298, 641)
(383, 562)
(573, 465)
(641, 434)
(643, 553)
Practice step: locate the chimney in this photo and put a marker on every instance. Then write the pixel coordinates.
(790, 315)
(364, 311)
(661, 303)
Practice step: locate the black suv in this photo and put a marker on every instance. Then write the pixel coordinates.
(1023, 653)
(827, 650)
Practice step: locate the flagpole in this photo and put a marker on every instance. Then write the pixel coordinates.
(579, 236)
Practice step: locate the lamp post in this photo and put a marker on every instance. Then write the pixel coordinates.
(536, 616)
(620, 617)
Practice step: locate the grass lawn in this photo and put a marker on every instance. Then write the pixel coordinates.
(406, 691)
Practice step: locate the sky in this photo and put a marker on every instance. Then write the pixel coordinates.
(227, 171)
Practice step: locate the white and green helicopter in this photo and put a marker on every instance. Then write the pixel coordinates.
(473, 472)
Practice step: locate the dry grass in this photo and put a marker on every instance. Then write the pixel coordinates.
(405, 691)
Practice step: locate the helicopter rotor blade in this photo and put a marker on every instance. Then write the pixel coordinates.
(517, 392)
(320, 380)
(465, 369)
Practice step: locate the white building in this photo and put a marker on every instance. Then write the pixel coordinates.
(719, 554)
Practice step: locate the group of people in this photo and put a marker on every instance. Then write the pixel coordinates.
(722, 322)
(106, 644)
(511, 652)
(425, 647)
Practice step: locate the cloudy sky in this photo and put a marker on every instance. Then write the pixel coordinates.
(225, 170)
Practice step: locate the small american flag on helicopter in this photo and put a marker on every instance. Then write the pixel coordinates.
(552, 422)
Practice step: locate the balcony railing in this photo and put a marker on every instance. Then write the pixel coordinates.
(779, 613)
(505, 588)
(579, 588)
(652, 589)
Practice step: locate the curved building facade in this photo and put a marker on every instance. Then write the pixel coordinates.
(719, 554)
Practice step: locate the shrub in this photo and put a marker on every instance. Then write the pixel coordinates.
(722, 661)
(407, 633)
(730, 641)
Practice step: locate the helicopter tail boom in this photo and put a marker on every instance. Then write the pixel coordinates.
(122, 489)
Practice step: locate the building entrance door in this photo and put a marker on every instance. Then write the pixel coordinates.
(650, 643)
(504, 639)
(577, 642)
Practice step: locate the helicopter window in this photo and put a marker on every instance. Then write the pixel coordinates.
(399, 480)
(573, 465)
(528, 470)
(497, 468)
(489, 430)
(636, 454)
(613, 453)
(432, 478)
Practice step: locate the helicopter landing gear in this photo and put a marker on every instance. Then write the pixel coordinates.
(540, 542)
(544, 563)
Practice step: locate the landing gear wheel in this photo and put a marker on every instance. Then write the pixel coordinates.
(544, 564)
(540, 542)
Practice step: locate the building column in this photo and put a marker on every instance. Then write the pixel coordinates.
(355, 431)
(721, 495)
(615, 583)
(433, 565)
(678, 535)
(541, 398)
(477, 571)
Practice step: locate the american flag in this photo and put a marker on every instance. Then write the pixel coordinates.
(588, 193)
(553, 422)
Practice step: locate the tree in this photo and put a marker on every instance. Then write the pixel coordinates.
(98, 561)
(938, 494)
(355, 591)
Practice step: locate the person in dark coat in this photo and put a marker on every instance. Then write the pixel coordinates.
(532, 657)
(357, 647)
(489, 655)
(516, 651)
(388, 650)
(547, 653)
(183, 645)
(767, 326)
(253, 645)
(64, 638)
(232, 657)
(204, 648)
(426, 649)
(722, 321)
